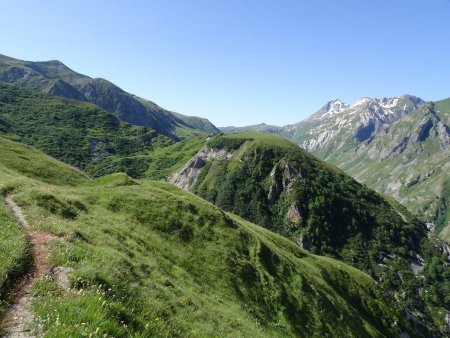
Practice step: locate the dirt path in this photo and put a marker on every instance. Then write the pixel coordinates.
(18, 317)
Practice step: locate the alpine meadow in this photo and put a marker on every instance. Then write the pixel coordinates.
(244, 209)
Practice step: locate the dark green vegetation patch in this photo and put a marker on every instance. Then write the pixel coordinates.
(272, 182)
(151, 260)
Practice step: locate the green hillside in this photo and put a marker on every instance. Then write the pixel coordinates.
(408, 161)
(271, 181)
(34, 164)
(14, 256)
(151, 260)
(75, 132)
(397, 146)
(55, 78)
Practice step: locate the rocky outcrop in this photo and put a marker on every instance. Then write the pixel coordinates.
(304, 242)
(63, 89)
(188, 175)
(417, 267)
(293, 216)
(282, 177)
(24, 77)
(275, 185)
(61, 274)
(447, 320)
(289, 177)
(410, 134)
(444, 134)
(444, 248)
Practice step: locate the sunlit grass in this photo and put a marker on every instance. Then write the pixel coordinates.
(150, 260)
(14, 257)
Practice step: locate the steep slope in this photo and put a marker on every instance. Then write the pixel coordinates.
(144, 258)
(271, 181)
(22, 165)
(405, 154)
(57, 79)
(78, 133)
(32, 163)
(397, 146)
(409, 160)
(338, 126)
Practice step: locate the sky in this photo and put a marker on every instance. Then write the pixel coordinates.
(241, 62)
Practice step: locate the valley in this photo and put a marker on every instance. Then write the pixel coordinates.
(150, 260)
(397, 146)
(156, 224)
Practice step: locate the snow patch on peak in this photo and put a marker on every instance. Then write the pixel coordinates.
(331, 108)
(363, 101)
(338, 101)
(337, 105)
(389, 103)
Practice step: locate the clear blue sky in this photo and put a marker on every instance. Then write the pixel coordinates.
(241, 62)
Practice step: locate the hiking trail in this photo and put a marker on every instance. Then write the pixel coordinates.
(18, 317)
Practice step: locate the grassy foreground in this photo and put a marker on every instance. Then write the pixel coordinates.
(14, 257)
(152, 260)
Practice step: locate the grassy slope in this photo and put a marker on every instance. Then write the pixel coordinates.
(443, 106)
(35, 164)
(75, 132)
(166, 160)
(151, 260)
(58, 79)
(21, 164)
(443, 205)
(417, 177)
(14, 257)
(340, 217)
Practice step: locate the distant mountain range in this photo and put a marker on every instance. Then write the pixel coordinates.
(270, 181)
(173, 256)
(176, 265)
(398, 146)
(55, 78)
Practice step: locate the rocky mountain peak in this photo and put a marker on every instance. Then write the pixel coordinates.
(330, 109)
(338, 122)
(362, 102)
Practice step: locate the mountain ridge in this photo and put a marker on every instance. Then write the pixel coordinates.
(373, 139)
(186, 268)
(273, 182)
(56, 78)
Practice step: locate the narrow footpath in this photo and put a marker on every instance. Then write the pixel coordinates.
(18, 317)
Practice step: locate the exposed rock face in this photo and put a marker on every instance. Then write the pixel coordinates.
(337, 122)
(293, 216)
(289, 177)
(57, 79)
(14, 74)
(421, 126)
(417, 267)
(187, 176)
(304, 242)
(445, 249)
(63, 89)
(281, 178)
(447, 320)
(444, 134)
(275, 186)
